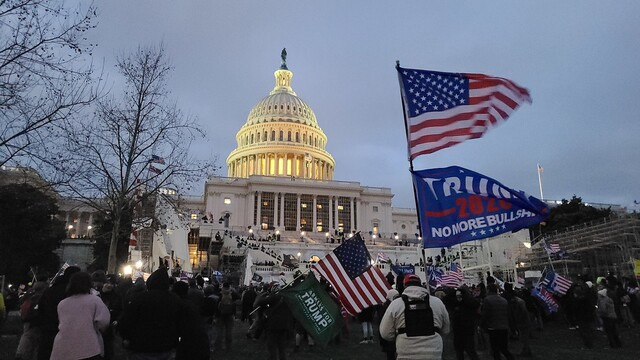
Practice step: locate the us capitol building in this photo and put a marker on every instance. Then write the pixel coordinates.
(281, 199)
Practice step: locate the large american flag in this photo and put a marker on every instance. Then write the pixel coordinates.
(444, 109)
(454, 277)
(556, 283)
(348, 268)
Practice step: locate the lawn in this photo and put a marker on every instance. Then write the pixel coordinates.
(556, 342)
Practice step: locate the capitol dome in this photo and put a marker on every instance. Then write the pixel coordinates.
(281, 137)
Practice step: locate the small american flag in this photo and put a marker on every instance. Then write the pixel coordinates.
(348, 269)
(556, 283)
(552, 248)
(435, 275)
(454, 277)
(382, 257)
(444, 109)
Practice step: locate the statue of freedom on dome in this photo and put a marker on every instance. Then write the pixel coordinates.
(283, 55)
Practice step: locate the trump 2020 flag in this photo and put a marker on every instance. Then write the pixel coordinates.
(348, 269)
(456, 205)
(443, 109)
(314, 309)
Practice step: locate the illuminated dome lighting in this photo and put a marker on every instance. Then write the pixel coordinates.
(281, 137)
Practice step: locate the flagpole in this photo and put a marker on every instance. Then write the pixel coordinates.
(489, 258)
(540, 181)
(544, 246)
(415, 195)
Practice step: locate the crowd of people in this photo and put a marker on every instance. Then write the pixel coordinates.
(99, 316)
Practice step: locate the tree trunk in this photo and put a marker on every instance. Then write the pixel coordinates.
(113, 246)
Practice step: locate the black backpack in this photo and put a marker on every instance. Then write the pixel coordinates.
(418, 317)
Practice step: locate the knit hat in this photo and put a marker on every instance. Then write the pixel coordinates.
(411, 280)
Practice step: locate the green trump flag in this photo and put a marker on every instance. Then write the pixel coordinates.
(314, 309)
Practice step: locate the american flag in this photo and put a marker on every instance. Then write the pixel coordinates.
(454, 277)
(552, 248)
(435, 275)
(382, 257)
(348, 269)
(556, 283)
(444, 109)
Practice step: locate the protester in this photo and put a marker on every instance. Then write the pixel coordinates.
(194, 344)
(464, 314)
(495, 320)
(28, 344)
(225, 317)
(607, 313)
(48, 311)
(585, 300)
(365, 317)
(248, 298)
(153, 321)
(519, 317)
(278, 322)
(82, 317)
(388, 347)
(113, 301)
(414, 335)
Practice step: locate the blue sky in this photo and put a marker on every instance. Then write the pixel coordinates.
(579, 59)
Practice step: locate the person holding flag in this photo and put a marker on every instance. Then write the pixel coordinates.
(416, 322)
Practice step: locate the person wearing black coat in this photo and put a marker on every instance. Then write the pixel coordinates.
(278, 324)
(464, 315)
(194, 345)
(154, 320)
(48, 311)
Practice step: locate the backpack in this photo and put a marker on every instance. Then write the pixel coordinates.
(418, 317)
(226, 306)
(29, 308)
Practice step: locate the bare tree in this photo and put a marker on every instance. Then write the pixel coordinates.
(135, 144)
(45, 77)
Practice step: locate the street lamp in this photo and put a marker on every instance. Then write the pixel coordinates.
(139, 264)
(326, 236)
(127, 270)
(374, 236)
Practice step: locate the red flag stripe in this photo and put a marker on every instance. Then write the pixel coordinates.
(338, 288)
(342, 287)
(345, 287)
(360, 296)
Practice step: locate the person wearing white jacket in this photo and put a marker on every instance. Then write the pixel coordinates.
(416, 347)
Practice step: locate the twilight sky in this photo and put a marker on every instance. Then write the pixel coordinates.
(579, 59)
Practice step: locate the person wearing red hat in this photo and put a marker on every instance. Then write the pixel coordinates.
(415, 339)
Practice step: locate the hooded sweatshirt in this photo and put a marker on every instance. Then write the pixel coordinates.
(417, 347)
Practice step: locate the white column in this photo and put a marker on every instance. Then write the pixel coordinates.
(330, 226)
(90, 223)
(335, 208)
(359, 214)
(252, 204)
(275, 209)
(282, 210)
(258, 215)
(298, 214)
(313, 168)
(315, 214)
(287, 169)
(351, 214)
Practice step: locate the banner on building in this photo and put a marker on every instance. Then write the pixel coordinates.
(314, 309)
(456, 205)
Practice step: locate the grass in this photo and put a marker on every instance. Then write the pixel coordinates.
(556, 342)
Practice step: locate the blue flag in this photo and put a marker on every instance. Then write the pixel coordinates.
(403, 269)
(456, 205)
